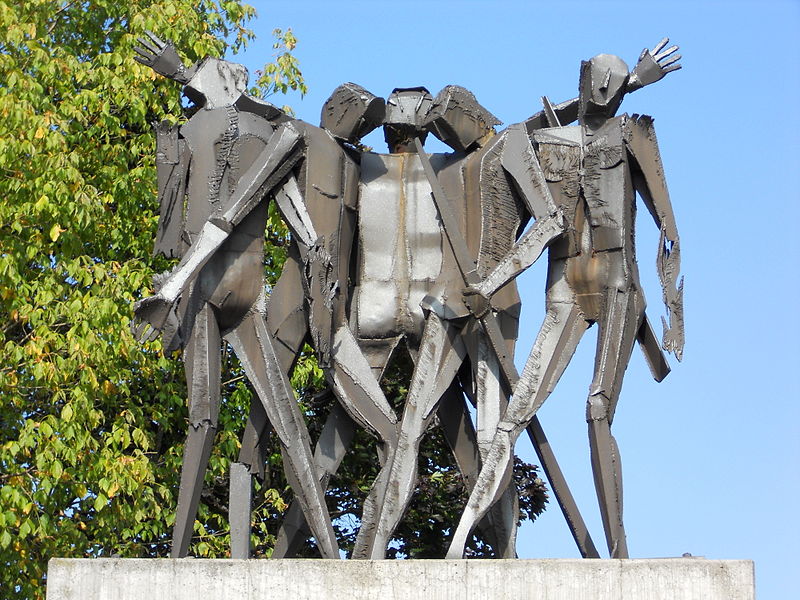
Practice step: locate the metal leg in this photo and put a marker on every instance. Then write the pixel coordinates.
(618, 329)
(461, 437)
(253, 344)
(287, 323)
(357, 389)
(441, 353)
(491, 403)
(202, 364)
(358, 392)
(336, 437)
(554, 347)
(240, 502)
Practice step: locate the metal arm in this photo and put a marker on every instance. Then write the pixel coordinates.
(651, 67)
(649, 181)
(524, 253)
(277, 159)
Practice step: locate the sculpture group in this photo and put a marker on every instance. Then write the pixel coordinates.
(410, 250)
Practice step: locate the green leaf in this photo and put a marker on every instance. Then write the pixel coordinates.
(55, 232)
(100, 502)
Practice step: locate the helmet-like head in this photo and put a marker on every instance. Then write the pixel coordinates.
(406, 114)
(602, 85)
(216, 83)
(458, 119)
(352, 112)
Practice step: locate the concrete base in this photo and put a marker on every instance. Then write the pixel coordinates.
(567, 579)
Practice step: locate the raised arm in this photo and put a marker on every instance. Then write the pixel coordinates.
(163, 58)
(653, 65)
(648, 179)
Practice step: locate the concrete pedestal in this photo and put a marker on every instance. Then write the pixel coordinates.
(560, 579)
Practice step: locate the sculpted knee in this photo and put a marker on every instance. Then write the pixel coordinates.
(596, 408)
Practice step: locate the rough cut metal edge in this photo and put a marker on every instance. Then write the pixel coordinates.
(300, 579)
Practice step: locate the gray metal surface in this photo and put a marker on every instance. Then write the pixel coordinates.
(593, 172)
(220, 283)
(436, 245)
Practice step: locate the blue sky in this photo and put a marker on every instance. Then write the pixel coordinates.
(710, 455)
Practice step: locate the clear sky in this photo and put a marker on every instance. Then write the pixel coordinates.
(710, 455)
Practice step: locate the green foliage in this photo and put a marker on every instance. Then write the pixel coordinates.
(283, 74)
(91, 422)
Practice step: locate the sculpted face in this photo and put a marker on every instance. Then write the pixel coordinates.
(407, 112)
(217, 83)
(602, 85)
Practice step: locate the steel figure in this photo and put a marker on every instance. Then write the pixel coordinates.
(592, 172)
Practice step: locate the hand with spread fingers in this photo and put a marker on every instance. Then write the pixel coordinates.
(162, 57)
(653, 65)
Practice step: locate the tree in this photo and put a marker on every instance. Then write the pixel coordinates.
(91, 422)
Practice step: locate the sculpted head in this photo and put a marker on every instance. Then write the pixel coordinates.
(352, 112)
(602, 85)
(458, 119)
(216, 83)
(407, 112)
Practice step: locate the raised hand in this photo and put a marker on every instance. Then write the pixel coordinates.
(653, 65)
(162, 57)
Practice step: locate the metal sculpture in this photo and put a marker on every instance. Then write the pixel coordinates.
(313, 179)
(484, 192)
(396, 299)
(218, 286)
(591, 173)
(422, 229)
(379, 334)
(447, 338)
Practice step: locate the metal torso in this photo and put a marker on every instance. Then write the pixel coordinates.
(590, 179)
(328, 179)
(233, 278)
(403, 256)
(495, 217)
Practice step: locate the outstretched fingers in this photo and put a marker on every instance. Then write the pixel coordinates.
(143, 331)
(662, 55)
(160, 44)
(660, 45)
(145, 56)
(149, 45)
